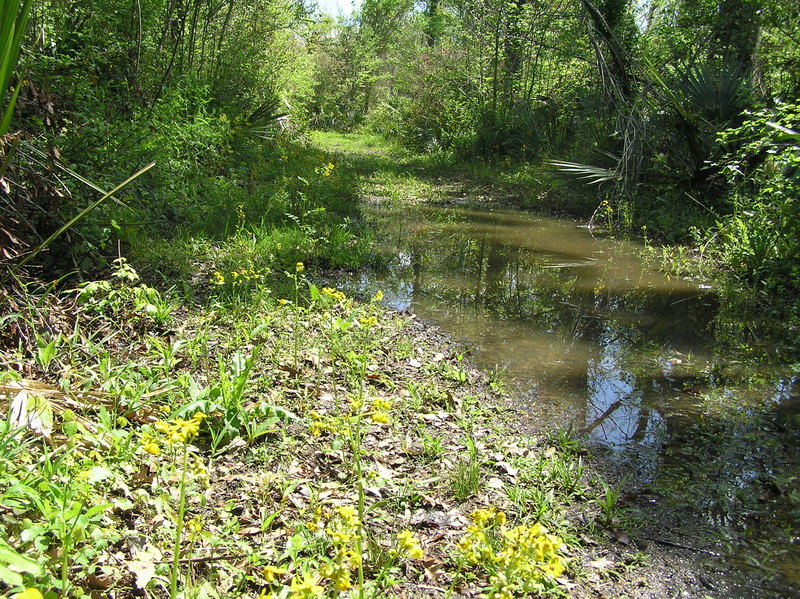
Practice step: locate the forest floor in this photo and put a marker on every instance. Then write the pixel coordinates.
(266, 436)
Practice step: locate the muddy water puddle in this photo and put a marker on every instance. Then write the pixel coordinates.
(584, 334)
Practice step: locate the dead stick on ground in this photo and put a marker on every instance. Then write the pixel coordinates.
(679, 546)
(211, 558)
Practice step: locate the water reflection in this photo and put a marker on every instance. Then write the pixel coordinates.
(592, 333)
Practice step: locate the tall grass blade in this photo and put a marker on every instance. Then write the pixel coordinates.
(13, 20)
(77, 217)
(5, 124)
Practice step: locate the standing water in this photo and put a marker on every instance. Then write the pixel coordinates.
(589, 336)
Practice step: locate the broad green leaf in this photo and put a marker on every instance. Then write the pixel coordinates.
(47, 351)
(97, 509)
(11, 558)
(10, 578)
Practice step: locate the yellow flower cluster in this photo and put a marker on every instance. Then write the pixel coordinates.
(176, 431)
(299, 267)
(322, 423)
(199, 472)
(522, 559)
(273, 573)
(336, 295)
(236, 277)
(327, 169)
(301, 588)
(380, 409)
(150, 444)
(410, 544)
(484, 518)
(342, 530)
(305, 588)
(377, 412)
(368, 321)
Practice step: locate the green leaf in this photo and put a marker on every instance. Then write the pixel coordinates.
(10, 578)
(12, 562)
(47, 351)
(97, 509)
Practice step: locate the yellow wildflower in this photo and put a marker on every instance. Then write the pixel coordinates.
(338, 573)
(554, 567)
(381, 404)
(380, 417)
(150, 445)
(410, 544)
(349, 515)
(299, 267)
(488, 517)
(312, 526)
(180, 430)
(342, 581)
(272, 573)
(339, 296)
(29, 593)
(339, 537)
(378, 296)
(308, 587)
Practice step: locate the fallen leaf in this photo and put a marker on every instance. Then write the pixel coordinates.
(495, 483)
(622, 536)
(32, 410)
(433, 569)
(601, 564)
(100, 579)
(431, 519)
(143, 570)
(507, 468)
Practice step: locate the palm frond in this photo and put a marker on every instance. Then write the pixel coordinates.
(590, 174)
(716, 92)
